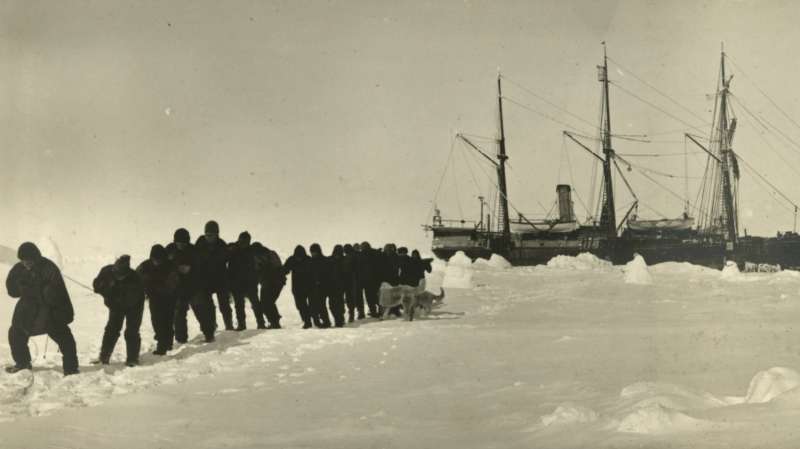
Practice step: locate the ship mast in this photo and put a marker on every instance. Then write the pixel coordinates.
(726, 153)
(501, 168)
(607, 216)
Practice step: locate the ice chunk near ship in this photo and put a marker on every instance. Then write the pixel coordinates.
(731, 272)
(636, 272)
(581, 262)
(458, 273)
(496, 262)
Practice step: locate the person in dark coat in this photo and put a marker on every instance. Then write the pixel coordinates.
(44, 307)
(160, 279)
(350, 284)
(192, 291)
(407, 275)
(243, 279)
(212, 253)
(368, 281)
(298, 264)
(389, 266)
(123, 294)
(389, 271)
(272, 279)
(417, 270)
(337, 283)
(320, 274)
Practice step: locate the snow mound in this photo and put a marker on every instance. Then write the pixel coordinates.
(458, 273)
(499, 262)
(459, 259)
(496, 262)
(680, 268)
(636, 272)
(731, 271)
(647, 394)
(481, 264)
(767, 385)
(569, 414)
(582, 262)
(657, 408)
(657, 419)
(438, 265)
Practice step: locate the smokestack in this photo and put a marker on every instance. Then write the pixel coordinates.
(565, 212)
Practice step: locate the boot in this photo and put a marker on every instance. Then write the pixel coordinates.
(102, 360)
(307, 324)
(228, 323)
(71, 372)
(160, 351)
(242, 326)
(11, 369)
(350, 316)
(131, 363)
(275, 325)
(210, 338)
(132, 346)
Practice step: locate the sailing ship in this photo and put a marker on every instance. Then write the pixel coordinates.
(710, 239)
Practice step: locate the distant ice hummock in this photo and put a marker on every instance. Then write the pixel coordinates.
(458, 273)
(583, 261)
(636, 272)
(496, 262)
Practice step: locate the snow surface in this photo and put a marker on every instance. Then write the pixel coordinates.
(564, 356)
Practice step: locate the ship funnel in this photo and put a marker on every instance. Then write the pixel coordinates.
(565, 211)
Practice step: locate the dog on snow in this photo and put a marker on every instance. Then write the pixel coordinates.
(409, 297)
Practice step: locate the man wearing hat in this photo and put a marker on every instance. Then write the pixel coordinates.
(123, 294)
(243, 276)
(192, 290)
(44, 307)
(212, 253)
(160, 279)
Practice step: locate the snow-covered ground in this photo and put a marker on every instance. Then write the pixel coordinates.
(574, 354)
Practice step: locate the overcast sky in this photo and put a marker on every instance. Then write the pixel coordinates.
(332, 121)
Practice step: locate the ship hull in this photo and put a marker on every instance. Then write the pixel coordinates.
(526, 249)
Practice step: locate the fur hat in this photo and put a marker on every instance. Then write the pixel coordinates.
(123, 263)
(212, 227)
(244, 238)
(182, 236)
(28, 251)
(158, 252)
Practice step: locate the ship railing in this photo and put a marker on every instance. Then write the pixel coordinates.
(442, 223)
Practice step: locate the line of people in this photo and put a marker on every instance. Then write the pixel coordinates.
(182, 276)
(349, 277)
